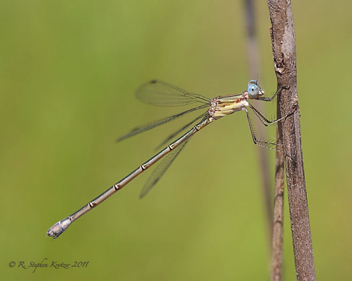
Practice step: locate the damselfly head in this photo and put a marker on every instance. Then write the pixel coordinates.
(253, 90)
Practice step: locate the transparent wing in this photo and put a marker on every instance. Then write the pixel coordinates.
(149, 126)
(180, 130)
(162, 168)
(163, 94)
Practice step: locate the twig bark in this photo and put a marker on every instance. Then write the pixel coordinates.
(278, 225)
(284, 53)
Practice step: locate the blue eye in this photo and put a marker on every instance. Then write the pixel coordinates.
(253, 82)
(253, 90)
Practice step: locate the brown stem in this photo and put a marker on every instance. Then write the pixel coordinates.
(284, 53)
(278, 226)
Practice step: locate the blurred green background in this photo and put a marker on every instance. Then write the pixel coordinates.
(68, 73)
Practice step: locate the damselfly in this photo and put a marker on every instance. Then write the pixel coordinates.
(163, 94)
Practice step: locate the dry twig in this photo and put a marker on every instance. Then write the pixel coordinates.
(284, 53)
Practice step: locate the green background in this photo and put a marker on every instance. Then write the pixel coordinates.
(68, 73)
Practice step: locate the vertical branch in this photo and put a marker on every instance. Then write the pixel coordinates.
(278, 226)
(253, 58)
(284, 53)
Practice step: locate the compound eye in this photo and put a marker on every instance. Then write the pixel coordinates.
(253, 90)
(253, 82)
